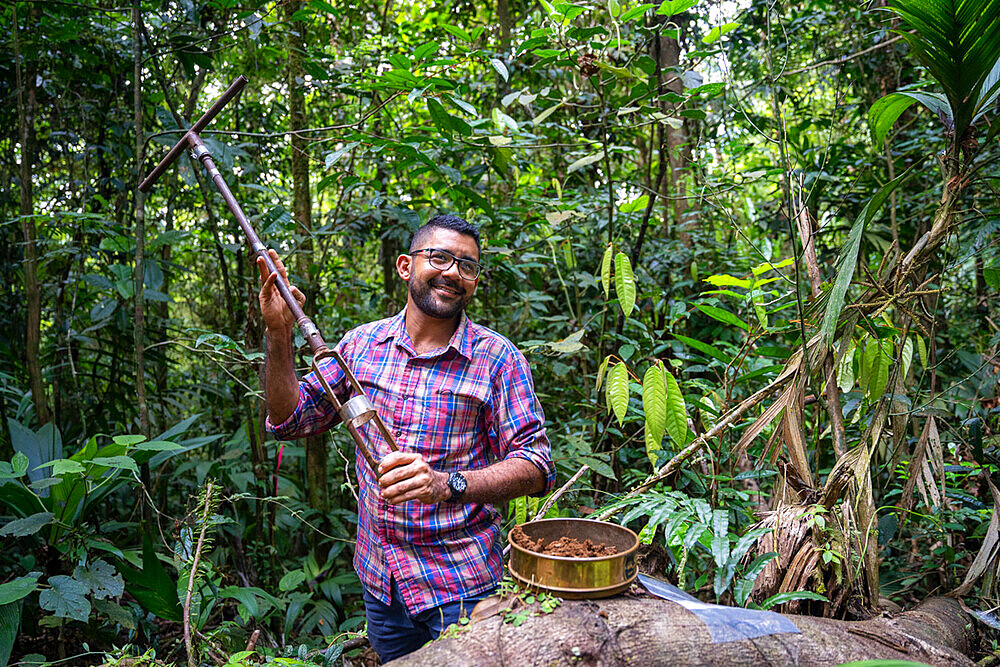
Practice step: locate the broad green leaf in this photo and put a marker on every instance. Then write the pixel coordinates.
(880, 369)
(540, 118)
(500, 140)
(884, 113)
(771, 266)
(624, 283)
(10, 624)
(907, 356)
(291, 580)
(677, 427)
(672, 7)
(701, 346)
(584, 161)
(845, 370)
(716, 33)
(636, 12)
(569, 344)
(128, 440)
(782, 598)
(637, 204)
(120, 462)
(19, 464)
(848, 260)
(66, 598)
(102, 580)
(439, 116)
(922, 351)
(600, 372)
(722, 315)
(152, 587)
(334, 157)
(609, 252)
(157, 446)
(617, 391)
(991, 275)
(19, 588)
(724, 280)
(720, 538)
(66, 466)
(425, 50)
(500, 68)
(654, 404)
(865, 363)
(28, 525)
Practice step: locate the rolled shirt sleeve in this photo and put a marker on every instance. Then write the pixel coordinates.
(314, 413)
(518, 420)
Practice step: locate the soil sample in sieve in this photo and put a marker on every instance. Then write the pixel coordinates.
(569, 547)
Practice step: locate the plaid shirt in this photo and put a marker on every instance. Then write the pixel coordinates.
(463, 407)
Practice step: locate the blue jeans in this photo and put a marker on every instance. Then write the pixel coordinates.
(394, 632)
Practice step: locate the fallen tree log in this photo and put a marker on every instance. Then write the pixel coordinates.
(640, 630)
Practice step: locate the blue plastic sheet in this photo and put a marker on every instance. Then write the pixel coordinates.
(725, 624)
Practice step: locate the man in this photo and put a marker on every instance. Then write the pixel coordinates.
(459, 400)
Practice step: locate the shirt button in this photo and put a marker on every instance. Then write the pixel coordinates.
(398, 433)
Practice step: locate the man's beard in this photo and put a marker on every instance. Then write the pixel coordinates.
(429, 302)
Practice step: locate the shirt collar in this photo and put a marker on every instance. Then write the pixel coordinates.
(461, 341)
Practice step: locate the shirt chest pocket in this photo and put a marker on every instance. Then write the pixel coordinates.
(453, 424)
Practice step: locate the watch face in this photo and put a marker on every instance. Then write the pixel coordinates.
(457, 483)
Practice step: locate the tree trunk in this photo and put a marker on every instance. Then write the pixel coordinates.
(26, 106)
(637, 630)
(667, 53)
(316, 449)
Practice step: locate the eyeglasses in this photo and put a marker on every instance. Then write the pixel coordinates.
(442, 261)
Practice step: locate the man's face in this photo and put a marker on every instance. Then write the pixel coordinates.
(441, 294)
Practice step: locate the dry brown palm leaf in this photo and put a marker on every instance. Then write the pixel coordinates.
(794, 437)
(914, 472)
(801, 574)
(787, 532)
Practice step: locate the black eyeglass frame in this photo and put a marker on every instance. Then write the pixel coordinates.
(461, 262)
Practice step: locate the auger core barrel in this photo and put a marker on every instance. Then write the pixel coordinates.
(357, 410)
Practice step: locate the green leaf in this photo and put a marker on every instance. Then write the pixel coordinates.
(991, 275)
(716, 33)
(722, 315)
(128, 440)
(710, 350)
(624, 283)
(677, 427)
(10, 623)
(654, 404)
(907, 356)
(102, 580)
(599, 465)
(617, 391)
(28, 525)
(425, 50)
(956, 41)
(782, 598)
(723, 280)
(922, 351)
(157, 446)
(609, 252)
(117, 462)
(65, 467)
(19, 588)
(881, 363)
(637, 204)
(845, 370)
(19, 464)
(672, 7)
(600, 372)
(291, 580)
(636, 12)
(66, 598)
(884, 113)
(500, 68)
(152, 587)
(457, 32)
(848, 260)
(334, 157)
(584, 161)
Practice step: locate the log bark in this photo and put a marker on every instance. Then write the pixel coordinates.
(640, 630)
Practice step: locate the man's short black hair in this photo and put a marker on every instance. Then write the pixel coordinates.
(452, 222)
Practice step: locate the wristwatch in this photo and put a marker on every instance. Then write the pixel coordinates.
(457, 484)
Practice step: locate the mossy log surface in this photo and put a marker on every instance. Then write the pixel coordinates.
(639, 630)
